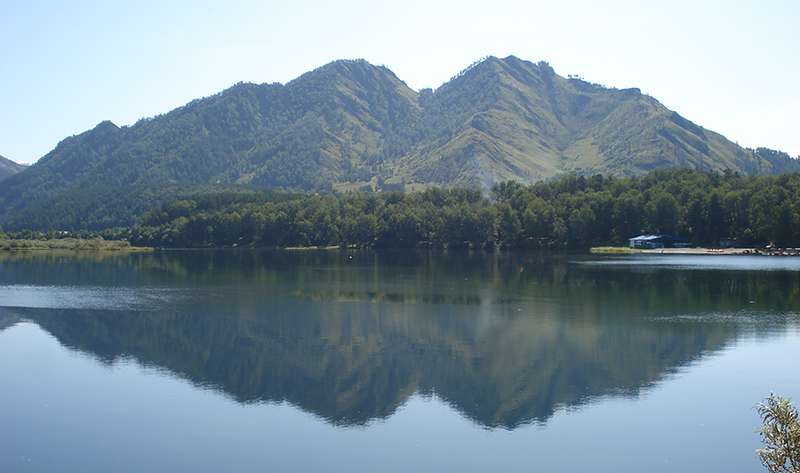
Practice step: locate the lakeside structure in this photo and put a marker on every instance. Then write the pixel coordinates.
(651, 242)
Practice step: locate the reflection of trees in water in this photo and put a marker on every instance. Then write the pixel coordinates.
(7, 319)
(506, 340)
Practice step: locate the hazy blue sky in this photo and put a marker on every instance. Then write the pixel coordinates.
(730, 66)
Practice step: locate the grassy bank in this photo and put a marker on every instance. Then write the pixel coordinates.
(75, 244)
(617, 250)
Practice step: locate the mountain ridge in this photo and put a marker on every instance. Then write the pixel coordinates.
(9, 167)
(350, 125)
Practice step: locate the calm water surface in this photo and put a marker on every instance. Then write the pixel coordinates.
(391, 361)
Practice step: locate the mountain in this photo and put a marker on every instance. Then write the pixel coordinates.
(349, 124)
(529, 124)
(8, 168)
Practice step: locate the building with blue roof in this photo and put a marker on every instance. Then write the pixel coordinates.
(646, 242)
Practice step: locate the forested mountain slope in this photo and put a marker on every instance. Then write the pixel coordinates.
(8, 168)
(511, 119)
(352, 125)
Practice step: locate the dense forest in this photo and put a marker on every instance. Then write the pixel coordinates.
(101, 207)
(705, 207)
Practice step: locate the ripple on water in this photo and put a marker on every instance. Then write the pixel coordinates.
(88, 297)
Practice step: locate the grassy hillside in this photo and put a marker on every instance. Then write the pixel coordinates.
(511, 119)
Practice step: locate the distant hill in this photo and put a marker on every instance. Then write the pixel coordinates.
(351, 125)
(8, 167)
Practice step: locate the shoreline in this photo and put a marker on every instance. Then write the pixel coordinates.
(71, 244)
(697, 251)
(703, 251)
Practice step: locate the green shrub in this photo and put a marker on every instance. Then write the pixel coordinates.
(780, 434)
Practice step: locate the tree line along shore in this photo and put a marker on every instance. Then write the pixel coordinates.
(574, 212)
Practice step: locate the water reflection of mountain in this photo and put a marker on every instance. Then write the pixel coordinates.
(7, 319)
(349, 365)
(505, 340)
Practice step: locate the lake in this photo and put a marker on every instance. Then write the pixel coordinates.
(391, 361)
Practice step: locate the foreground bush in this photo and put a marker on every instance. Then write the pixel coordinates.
(781, 434)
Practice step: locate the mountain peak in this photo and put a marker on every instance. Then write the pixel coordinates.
(106, 125)
(347, 67)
